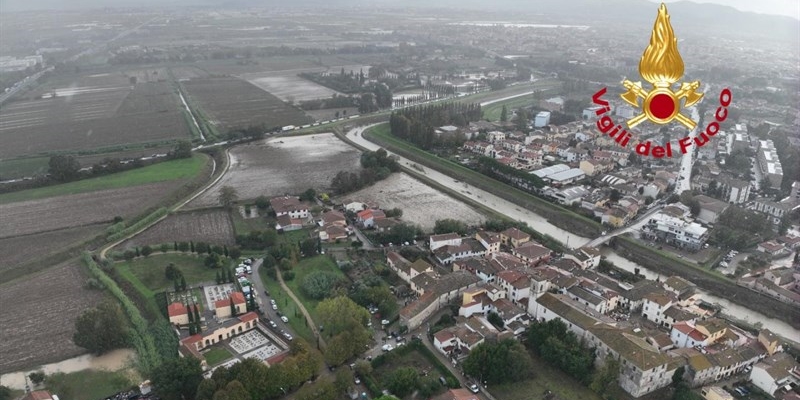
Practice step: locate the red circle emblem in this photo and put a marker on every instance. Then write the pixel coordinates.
(662, 106)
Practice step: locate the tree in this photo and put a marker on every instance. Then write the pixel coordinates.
(234, 253)
(183, 283)
(614, 196)
(101, 329)
(233, 307)
(37, 377)
(309, 195)
(605, 376)
(309, 247)
(340, 314)
(450, 225)
(147, 250)
(182, 150)
(504, 114)
(172, 272)
(262, 202)
(499, 362)
(213, 260)
(677, 376)
(5, 393)
(394, 213)
(495, 319)
(201, 247)
(785, 224)
(320, 284)
(164, 247)
(196, 313)
(402, 381)
(233, 391)
(129, 255)
(177, 378)
(522, 119)
(227, 197)
(63, 168)
(183, 246)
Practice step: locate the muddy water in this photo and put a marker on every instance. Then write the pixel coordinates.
(741, 313)
(112, 361)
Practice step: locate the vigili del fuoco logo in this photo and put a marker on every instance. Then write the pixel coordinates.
(662, 66)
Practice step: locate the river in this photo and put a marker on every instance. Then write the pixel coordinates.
(571, 240)
(111, 361)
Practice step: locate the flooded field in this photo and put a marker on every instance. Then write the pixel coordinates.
(111, 361)
(289, 87)
(421, 204)
(279, 166)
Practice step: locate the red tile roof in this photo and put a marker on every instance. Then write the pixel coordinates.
(38, 395)
(238, 297)
(192, 339)
(176, 309)
(248, 317)
(683, 328)
(443, 335)
(697, 335)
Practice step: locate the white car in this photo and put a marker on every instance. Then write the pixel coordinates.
(284, 319)
(474, 388)
(274, 307)
(387, 347)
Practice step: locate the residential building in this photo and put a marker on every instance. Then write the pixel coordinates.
(770, 341)
(654, 306)
(774, 210)
(435, 293)
(469, 247)
(769, 163)
(285, 223)
(517, 286)
(447, 239)
(734, 191)
(178, 314)
(289, 205)
(710, 209)
(776, 373)
(490, 240)
(676, 231)
(532, 252)
(514, 237)
(542, 119)
(685, 335)
(771, 248)
(366, 218)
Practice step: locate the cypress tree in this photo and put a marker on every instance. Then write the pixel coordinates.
(208, 250)
(183, 283)
(191, 246)
(233, 307)
(197, 316)
(191, 317)
(177, 287)
(138, 252)
(175, 246)
(225, 250)
(230, 275)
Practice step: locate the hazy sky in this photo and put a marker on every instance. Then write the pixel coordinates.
(790, 8)
(776, 7)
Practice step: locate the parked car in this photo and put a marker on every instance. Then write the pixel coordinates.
(357, 381)
(273, 324)
(284, 319)
(274, 306)
(474, 388)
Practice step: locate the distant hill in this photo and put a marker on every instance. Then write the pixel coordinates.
(686, 16)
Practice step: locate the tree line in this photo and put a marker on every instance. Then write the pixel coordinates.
(417, 124)
(375, 166)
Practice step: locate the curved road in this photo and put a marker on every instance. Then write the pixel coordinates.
(488, 199)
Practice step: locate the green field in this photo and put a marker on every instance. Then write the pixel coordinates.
(149, 271)
(558, 215)
(243, 226)
(492, 111)
(301, 270)
(21, 167)
(87, 384)
(217, 355)
(293, 236)
(545, 377)
(287, 307)
(165, 171)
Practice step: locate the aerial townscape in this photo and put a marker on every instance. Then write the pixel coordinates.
(447, 200)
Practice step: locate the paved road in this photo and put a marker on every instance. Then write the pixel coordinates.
(263, 299)
(687, 161)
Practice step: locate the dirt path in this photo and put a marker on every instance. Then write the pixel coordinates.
(311, 323)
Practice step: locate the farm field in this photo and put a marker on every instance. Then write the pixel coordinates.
(150, 270)
(94, 111)
(421, 204)
(88, 384)
(49, 214)
(232, 102)
(278, 166)
(186, 168)
(16, 251)
(38, 327)
(210, 226)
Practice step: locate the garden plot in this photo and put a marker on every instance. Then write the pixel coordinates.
(421, 204)
(38, 315)
(210, 226)
(278, 166)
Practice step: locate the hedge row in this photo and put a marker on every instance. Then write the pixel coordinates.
(139, 225)
(149, 357)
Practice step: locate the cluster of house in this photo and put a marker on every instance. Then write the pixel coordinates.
(780, 283)
(652, 327)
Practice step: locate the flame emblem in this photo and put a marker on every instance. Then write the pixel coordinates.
(661, 65)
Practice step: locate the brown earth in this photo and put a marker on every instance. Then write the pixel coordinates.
(232, 102)
(210, 226)
(20, 250)
(43, 215)
(37, 317)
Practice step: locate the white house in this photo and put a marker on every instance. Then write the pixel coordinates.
(776, 373)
